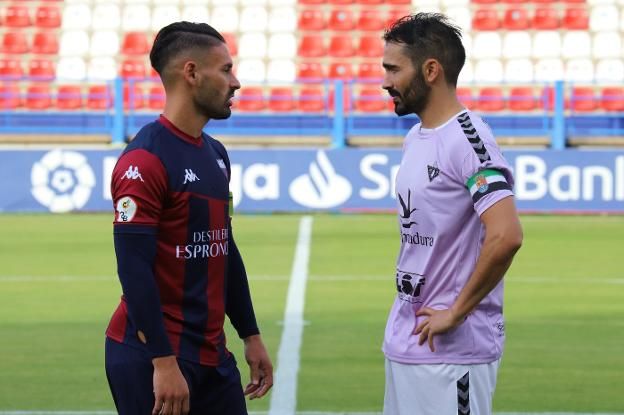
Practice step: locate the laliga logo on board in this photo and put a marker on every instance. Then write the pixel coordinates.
(321, 187)
(62, 181)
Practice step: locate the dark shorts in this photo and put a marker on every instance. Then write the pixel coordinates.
(213, 391)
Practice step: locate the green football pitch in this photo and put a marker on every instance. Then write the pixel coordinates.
(564, 311)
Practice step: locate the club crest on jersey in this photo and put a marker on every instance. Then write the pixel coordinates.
(432, 171)
(189, 176)
(132, 173)
(126, 208)
(221, 163)
(481, 183)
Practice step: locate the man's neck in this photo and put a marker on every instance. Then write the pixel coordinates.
(439, 110)
(186, 121)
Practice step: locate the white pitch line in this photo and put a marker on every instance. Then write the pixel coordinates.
(284, 396)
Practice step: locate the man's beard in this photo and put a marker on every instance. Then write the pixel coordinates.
(206, 107)
(415, 98)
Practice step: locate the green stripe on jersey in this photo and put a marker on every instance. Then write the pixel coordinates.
(481, 180)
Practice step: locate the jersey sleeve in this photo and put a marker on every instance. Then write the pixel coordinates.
(485, 173)
(138, 187)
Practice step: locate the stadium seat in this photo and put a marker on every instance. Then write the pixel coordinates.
(341, 46)
(251, 99)
(225, 18)
(310, 72)
(371, 99)
(606, 45)
(281, 99)
(312, 19)
(282, 19)
(312, 46)
(251, 70)
(15, 43)
(612, 99)
(231, 42)
(11, 68)
(516, 18)
(346, 98)
(135, 43)
(17, 15)
(340, 70)
(370, 47)
(156, 97)
(69, 97)
(396, 14)
(106, 17)
(77, 16)
(604, 18)
(341, 19)
(282, 45)
(548, 70)
(546, 18)
(71, 68)
(488, 70)
(517, 44)
(370, 20)
(485, 1)
(99, 97)
(522, 99)
(491, 99)
(281, 70)
(133, 96)
(405, 2)
(253, 19)
(486, 19)
(546, 98)
(371, 2)
(48, 17)
(104, 43)
(575, 18)
(45, 43)
(41, 69)
(102, 69)
(466, 76)
(131, 68)
(487, 45)
(74, 43)
(370, 71)
(311, 99)
(576, 44)
(341, 1)
(312, 1)
(195, 13)
(164, 15)
(579, 70)
(252, 45)
(460, 16)
(136, 18)
(10, 96)
(546, 44)
(38, 96)
(518, 71)
(609, 70)
(583, 99)
(466, 97)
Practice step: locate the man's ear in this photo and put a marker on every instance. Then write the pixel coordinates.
(189, 71)
(431, 70)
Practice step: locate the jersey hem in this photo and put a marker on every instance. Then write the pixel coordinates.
(472, 360)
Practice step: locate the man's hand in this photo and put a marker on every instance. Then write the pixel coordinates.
(438, 322)
(260, 367)
(171, 391)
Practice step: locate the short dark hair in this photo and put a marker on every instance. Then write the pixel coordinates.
(430, 35)
(180, 37)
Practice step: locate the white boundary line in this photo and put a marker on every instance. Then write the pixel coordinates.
(284, 396)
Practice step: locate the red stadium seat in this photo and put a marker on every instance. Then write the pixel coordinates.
(156, 97)
(548, 1)
(281, 99)
(312, 46)
(15, 43)
(311, 99)
(341, 1)
(340, 70)
(465, 97)
(11, 68)
(370, 71)
(371, 2)
(310, 72)
(371, 99)
(522, 99)
(312, 19)
(547, 98)
(395, 15)
(10, 96)
(341, 19)
(346, 98)
(546, 18)
(311, 1)
(573, 1)
(45, 43)
(69, 97)
(38, 97)
(17, 15)
(48, 17)
(135, 43)
(515, 1)
(486, 19)
(485, 1)
(232, 44)
(133, 96)
(42, 69)
(516, 18)
(341, 46)
(251, 99)
(371, 47)
(406, 2)
(133, 69)
(583, 99)
(612, 99)
(370, 20)
(99, 97)
(491, 99)
(576, 18)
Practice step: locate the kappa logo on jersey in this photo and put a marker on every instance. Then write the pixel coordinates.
(221, 163)
(407, 210)
(189, 176)
(127, 208)
(433, 171)
(132, 173)
(409, 286)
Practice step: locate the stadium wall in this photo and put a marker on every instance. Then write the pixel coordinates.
(294, 180)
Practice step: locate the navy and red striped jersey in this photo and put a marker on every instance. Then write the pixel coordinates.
(177, 262)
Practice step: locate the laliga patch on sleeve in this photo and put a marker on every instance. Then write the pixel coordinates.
(126, 207)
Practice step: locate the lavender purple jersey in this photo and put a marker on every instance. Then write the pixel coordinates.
(448, 177)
